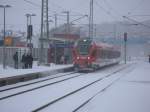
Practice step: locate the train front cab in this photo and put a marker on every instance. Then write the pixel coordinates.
(85, 62)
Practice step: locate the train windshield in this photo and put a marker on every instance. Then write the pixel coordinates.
(83, 46)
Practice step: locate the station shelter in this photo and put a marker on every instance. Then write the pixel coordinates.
(60, 46)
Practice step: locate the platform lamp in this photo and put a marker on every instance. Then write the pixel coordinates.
(4, 50)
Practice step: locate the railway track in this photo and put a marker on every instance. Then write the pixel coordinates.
(34, 82)
(100, 91)
(2, 91)
(80, 89)
(74, 75)
(66, 89)
(89, 99)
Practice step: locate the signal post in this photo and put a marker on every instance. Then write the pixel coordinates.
(125, 47)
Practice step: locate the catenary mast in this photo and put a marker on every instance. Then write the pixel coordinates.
(91, 20)
(44, 25)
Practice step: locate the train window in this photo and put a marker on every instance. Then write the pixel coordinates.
(93, 53)
(83, 49)
(83, 46)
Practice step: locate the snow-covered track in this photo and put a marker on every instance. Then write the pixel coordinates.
(79, 89)
(41, 86)
(34, 82)
(89, 99)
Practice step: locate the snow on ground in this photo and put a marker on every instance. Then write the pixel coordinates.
(80, 97)
(130, 94)
(9, 72)
(46, 94)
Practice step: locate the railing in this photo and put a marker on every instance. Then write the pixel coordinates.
(10, 51)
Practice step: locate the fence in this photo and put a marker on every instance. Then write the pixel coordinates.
(10, 51)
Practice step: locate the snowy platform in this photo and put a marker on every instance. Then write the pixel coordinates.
(11, 75)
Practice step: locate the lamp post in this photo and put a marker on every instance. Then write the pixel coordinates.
(31, 17)
(29, 28)
(28, 17)
(53, 42)
(4, 52)
(45, 25)
(68, 20)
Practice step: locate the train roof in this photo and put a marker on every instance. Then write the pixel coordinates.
(98, 43)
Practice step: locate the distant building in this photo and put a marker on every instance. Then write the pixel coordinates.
(60, 43)
(15, 39)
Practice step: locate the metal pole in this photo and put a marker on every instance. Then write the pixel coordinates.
(27, 15)
(55, 22)
(115, 31)
(68, 29)
(125, 52)
(30, 19)
(53, 41)
(68, 25)
(47, 24)
(4, 47)
(31, 36)
(125, 47)
(41, 38)
(68, 32)
(4, 50)
(95, 31)
(115, 34)
(91, 20)
(89, 28)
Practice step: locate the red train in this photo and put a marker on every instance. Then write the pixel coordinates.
(91, 55)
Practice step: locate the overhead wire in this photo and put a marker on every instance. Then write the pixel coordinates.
(106, 11)
(97, 3)
(54, 12)
(111, 8)
(135, 8)
(81, 5)
(139, 15)
(126, 17)
(62, 8)
(135, 21)
(37, 5)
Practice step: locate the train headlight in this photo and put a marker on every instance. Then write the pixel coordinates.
(88, 58)
(78, 57)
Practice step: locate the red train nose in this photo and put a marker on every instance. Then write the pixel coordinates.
(83, 61)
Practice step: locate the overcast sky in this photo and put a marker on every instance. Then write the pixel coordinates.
(104, 11)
